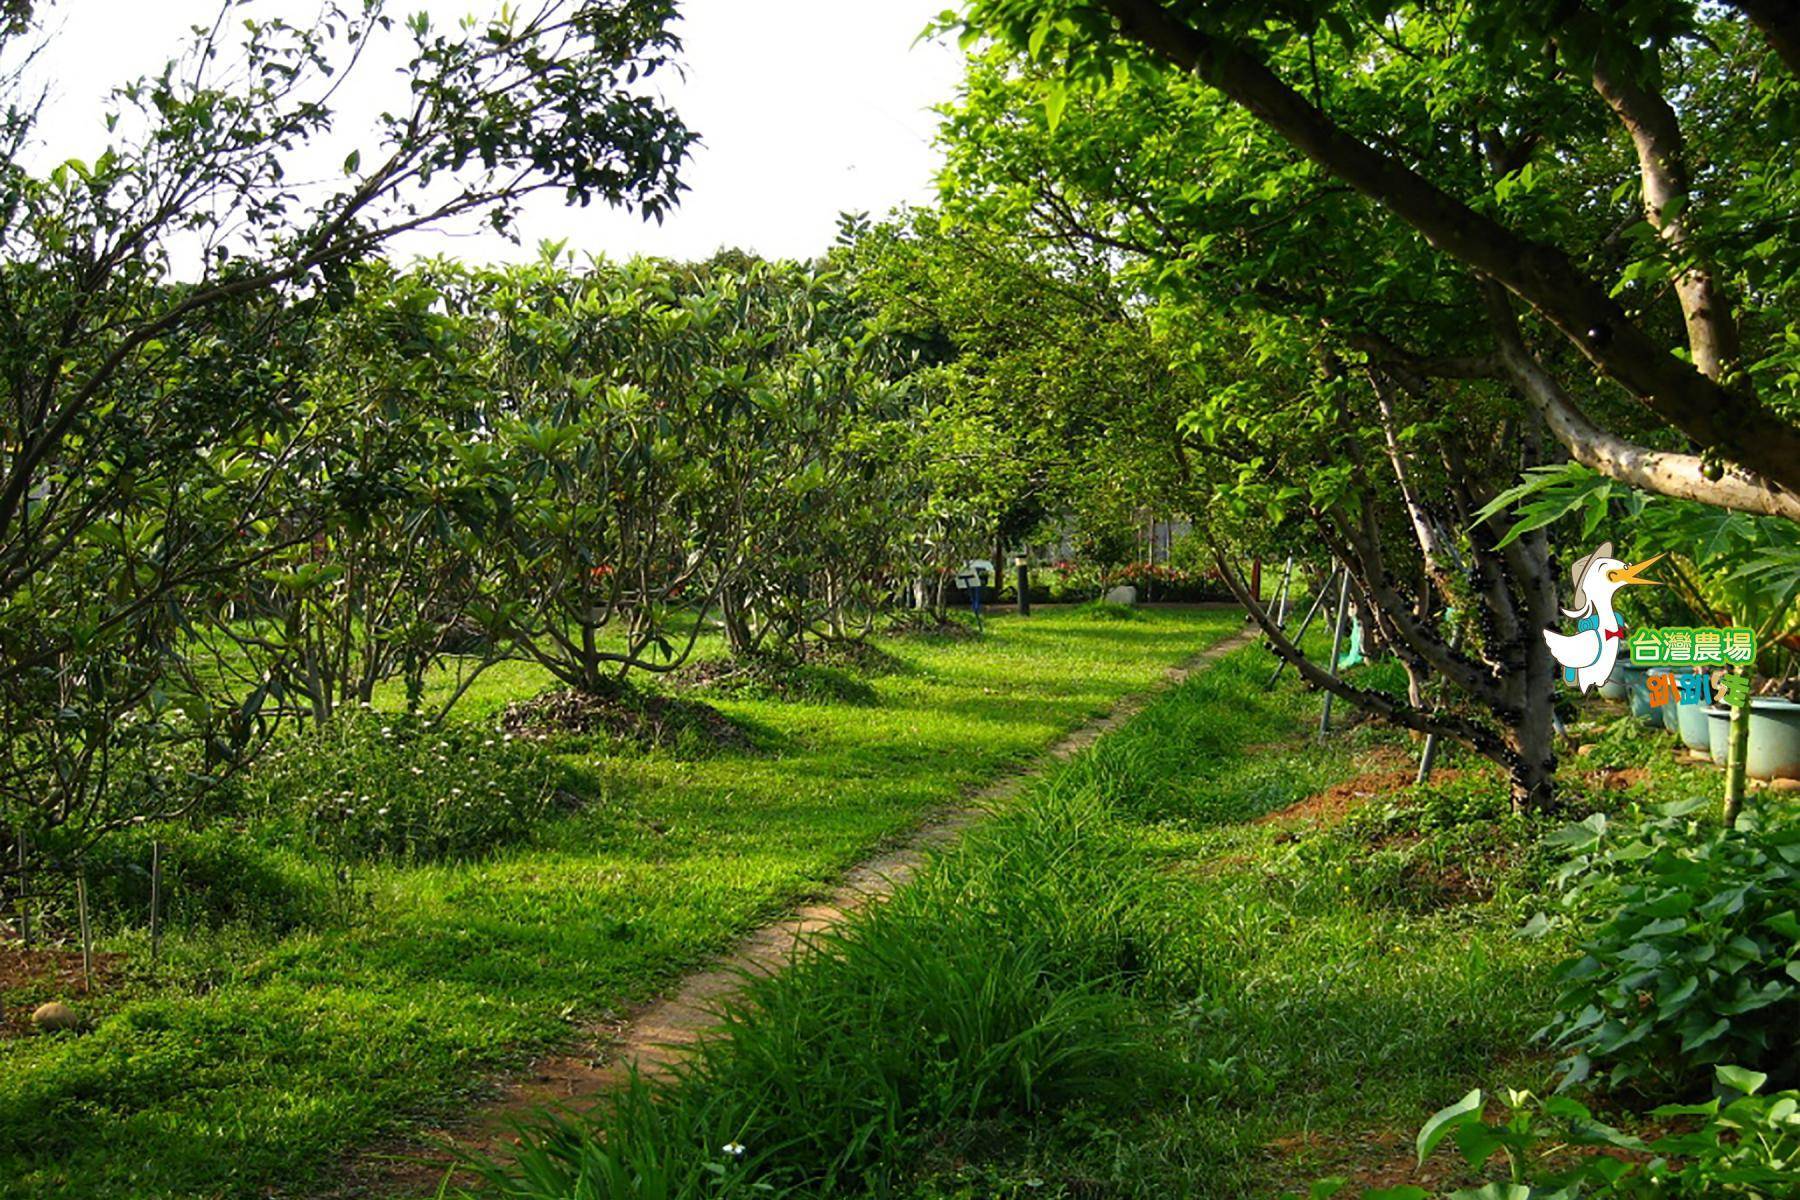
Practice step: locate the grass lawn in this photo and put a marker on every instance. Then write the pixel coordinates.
(1209, 958)
(248, 1062)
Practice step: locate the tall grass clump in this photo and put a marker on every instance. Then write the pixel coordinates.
(997, 988)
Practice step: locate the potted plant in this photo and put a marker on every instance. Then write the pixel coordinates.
(1732, 569)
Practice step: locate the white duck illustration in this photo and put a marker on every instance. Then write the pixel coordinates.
(1588, 654)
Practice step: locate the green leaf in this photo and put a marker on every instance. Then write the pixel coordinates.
(1740, 1079)
(1446, 1120)
(1056, 99)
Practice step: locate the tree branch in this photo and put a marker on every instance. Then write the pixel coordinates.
(1541, 274)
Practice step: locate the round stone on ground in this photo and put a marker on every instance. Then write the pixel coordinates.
(54, 1016)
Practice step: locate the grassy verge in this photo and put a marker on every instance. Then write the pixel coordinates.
(1132, 984)
(266, 1045)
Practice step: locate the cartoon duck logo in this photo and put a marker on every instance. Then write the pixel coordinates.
(1588, 654)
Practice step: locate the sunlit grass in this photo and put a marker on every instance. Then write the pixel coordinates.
(249, 1061)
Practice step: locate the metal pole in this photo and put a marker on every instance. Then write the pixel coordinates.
(1305, 624)
(1429, 755)
(1287, 572)
(1337, 642)
(155, 899)
(1024, 588)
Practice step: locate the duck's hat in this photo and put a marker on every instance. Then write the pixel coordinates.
(1578, 574)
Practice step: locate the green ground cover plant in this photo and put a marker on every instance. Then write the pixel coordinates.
(294, 1022)
(1291, 989)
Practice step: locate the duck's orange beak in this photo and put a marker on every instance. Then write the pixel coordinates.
(1630, 574)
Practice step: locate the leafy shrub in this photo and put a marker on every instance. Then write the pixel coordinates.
(378, 786)
(1161, 582)
(1697, 958)
(1746, 1147)
(1626, 742)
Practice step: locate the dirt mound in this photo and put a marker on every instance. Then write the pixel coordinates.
(644, 718)
(924, 625)
(1337, 802)
(865, 658)
(769, 677)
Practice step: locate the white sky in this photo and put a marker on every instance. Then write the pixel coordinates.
(806, 108)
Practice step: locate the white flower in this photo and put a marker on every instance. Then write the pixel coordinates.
(381, 812)
(735, 1149)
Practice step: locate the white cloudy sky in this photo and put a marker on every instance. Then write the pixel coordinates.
(807, 108)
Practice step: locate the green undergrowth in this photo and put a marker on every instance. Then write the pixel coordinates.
(1128, 984)
(325, 987)
(1106, 610)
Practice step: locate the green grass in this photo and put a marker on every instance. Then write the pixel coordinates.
(256, 1055)
(1285, 1001)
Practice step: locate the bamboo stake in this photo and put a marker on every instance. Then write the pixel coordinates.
(1737, 748)
(1281, 602)
(155, 900)
(24, 893)
(1337, 642)
(87, 938)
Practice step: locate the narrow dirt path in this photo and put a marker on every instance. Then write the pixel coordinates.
(657, 1035)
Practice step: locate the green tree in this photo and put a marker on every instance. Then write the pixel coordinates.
(1486, 135)
(148, 415)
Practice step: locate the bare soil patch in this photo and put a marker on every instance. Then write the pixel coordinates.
(1332, 805)
(31, 977)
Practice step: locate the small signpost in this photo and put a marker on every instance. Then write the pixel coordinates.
(969, 579)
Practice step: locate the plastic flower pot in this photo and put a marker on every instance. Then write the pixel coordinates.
(1613, 686)
(1718, 731)
(1637, 694)
(1671, 720)
(1774, 737)
(1693, 726)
